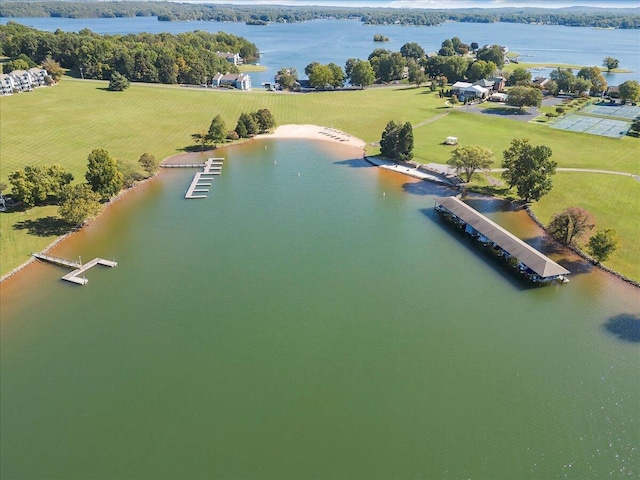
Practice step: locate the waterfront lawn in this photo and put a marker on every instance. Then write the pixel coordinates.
(62, 124)
(570, 149)
(613, 200)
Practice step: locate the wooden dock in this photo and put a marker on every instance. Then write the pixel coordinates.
(183, 165)
(202, 180)
(79, 268)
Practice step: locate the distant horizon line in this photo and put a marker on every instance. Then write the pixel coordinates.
(429, 4)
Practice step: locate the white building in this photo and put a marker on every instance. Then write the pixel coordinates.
(241, 81)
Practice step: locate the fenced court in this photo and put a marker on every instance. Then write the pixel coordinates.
(593, 125)
(626, 112)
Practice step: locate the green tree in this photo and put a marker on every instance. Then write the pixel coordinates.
(241, 129)
(416, 74)
(130, 174)
(470, 158)
(217, 130)
(564, 79)
(524, 97)
(34, 184)
(629, 90)
(491, 53)
(17, 64)
(635, 126)
(287, 77)
(594, 75)
(480, 69)
(520, 76)
(102, 174)
(265, 120)
(338, 75)
(412, 50)
(397, 141)
(602, 244)
(149, 164)
(362, 74)
(610, 63)
(80, 203)
(529, 169)
(118, 82)
(251, 127)
(321, 76)
(570, 224)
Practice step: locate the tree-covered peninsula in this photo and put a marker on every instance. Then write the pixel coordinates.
(260, 14)
(188, 57)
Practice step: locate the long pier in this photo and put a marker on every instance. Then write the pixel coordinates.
(202, 180)
(79, 268)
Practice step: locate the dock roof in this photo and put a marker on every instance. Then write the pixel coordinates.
(532, 258)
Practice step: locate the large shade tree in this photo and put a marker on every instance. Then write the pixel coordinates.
(529, 169)
(102, 174)
(468, 159)
(397, 141)
(80, 203)
(602, 244)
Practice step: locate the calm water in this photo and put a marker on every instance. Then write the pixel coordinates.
(325, 41)
(311, 319)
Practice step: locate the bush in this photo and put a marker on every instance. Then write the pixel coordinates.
(551, 115)
(118, 82)
(232, 135)
(560, 110)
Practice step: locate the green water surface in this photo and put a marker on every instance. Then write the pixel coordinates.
(311, 318)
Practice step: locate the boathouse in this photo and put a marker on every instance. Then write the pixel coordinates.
(532, 263)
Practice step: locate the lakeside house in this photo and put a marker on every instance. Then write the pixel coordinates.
(23, 80)
(241, 81)
(469, 91)
(233, 58)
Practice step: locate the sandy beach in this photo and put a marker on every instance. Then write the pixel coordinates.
(315, 132)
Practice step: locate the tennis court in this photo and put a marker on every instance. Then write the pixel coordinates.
(593, 125)
(627, 112)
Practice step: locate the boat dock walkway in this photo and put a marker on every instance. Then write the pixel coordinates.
(202, 180)
(78, 267)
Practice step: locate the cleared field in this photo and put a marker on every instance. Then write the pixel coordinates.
(62, 124)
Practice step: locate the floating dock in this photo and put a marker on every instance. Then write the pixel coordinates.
(202, 180)
(79, 268)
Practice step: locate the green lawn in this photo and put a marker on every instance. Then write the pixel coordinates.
(62, 124)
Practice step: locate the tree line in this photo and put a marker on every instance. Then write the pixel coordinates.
(247, 126)
(188, 58)
(51, 184)
(168, 11)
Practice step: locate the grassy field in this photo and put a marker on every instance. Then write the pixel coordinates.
(510, 67)
(64, 123)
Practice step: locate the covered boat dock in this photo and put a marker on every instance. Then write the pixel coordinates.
(537, 266)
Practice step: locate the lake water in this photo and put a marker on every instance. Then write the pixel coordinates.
(311, 318)
(324, 41)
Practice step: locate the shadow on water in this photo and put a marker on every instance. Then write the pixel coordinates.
(491, 205)
(625, 326)
(549, 246)
(428, 188)
(44, 227)
(486, 254)
(354, 163)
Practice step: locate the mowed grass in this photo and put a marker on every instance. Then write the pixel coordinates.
(613, 200)
(64, 123)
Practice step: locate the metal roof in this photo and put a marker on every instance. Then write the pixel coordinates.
(532, 258)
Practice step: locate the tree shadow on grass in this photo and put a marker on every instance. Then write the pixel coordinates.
(44, 227)
(625, 326)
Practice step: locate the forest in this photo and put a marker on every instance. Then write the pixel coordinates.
(260, 14)
(188, 58)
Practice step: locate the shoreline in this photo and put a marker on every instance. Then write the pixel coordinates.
(304, 132)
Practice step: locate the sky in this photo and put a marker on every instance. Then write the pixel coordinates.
(440, 4)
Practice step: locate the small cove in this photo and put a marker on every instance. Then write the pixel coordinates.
(311, 315)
